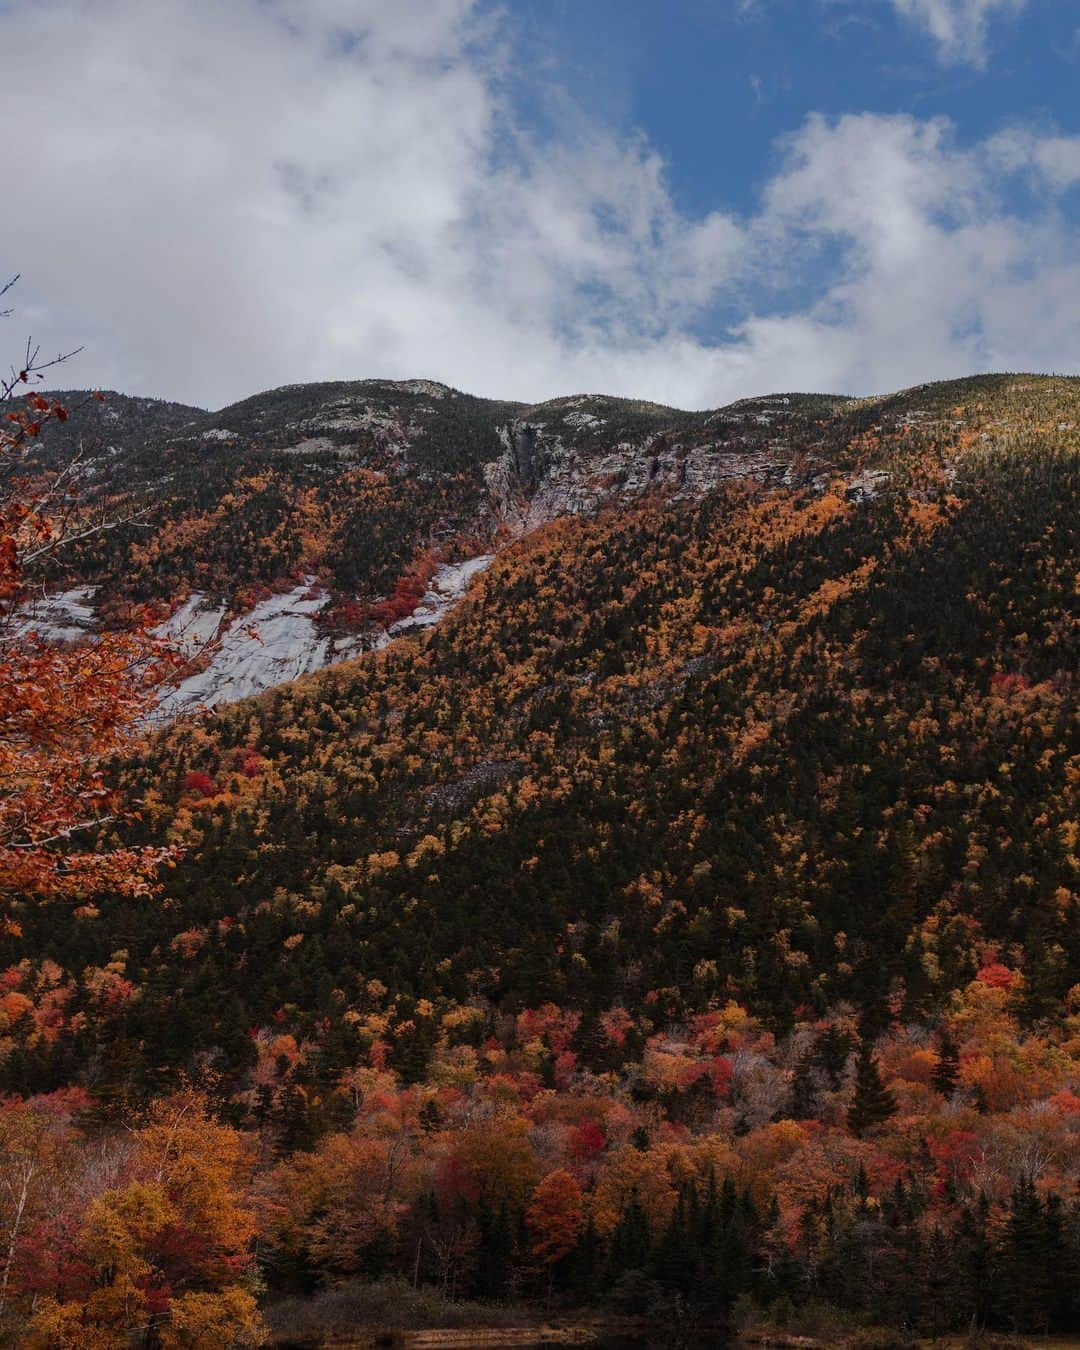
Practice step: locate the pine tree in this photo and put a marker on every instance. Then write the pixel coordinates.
(1062, 1269)
(1026, 1259)
(976, 1259)
(631, 1241)
(802, 1102)
(873, 1103)
(494, 1251)
(947, 1069)
(831, 1052)
(677, 1256)
(297, 1125)
(584, 1262)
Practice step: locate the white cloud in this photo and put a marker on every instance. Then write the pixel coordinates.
(227, 195)
(936, 276)
(219, 196)
(959, 27)
(1055, 160)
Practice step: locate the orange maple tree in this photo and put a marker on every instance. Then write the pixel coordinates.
(63, 709)
(556, 1216)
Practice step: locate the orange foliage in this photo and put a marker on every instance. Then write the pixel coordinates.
(62, 711)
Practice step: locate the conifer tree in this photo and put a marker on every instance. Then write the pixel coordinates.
(976, 1258)
(947, 1069)
(584, 1262)
(678, 1252)
(631, 1241)
(803, 1096)
(1027, 1259)
(494, 1251)
(873, 1103)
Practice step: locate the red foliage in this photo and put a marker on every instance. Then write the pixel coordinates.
(565, 1064)
(721, 1071)
(997, 976)
(955, 1156)
(615, 1024)
(252, 764)
(1005, 684)
(407, 593)
(454, 1183)
(587, 1141)
(201, 783)
(549, 1023)
(347, 616)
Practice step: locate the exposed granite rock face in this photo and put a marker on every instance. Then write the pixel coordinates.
(234, 656)
(481, 779)
(545, 472)
(284, 637)
(867, 485)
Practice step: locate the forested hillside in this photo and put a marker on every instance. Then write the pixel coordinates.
(352, 483)
(685, 927)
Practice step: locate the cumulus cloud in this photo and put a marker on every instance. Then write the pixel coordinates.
(1055, 160)
(219, 196)
(937, 275)
(959, 27)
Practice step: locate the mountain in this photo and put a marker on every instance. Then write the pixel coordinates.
(325, 514)
(747, 680)
(722, 830)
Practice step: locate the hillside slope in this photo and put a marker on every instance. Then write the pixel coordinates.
(685, 926)
(321, 516)
(795, 746)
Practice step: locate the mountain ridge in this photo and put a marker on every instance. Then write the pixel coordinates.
(359, 491)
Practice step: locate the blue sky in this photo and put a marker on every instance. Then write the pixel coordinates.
(690, 201)
(715, 85)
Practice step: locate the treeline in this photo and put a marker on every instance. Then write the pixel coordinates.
(711, 1174)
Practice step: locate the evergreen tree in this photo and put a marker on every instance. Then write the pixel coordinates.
(676, 1262)
(873, 1103)
(831, 1052)
(947, 1069)
(494, 1251)
(1027, 1259)
(631, 1241)
(583, 1263)
(802, 1102)
(1062, 1271)
(298, 1127)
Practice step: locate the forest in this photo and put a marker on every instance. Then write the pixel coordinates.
(684, 931)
